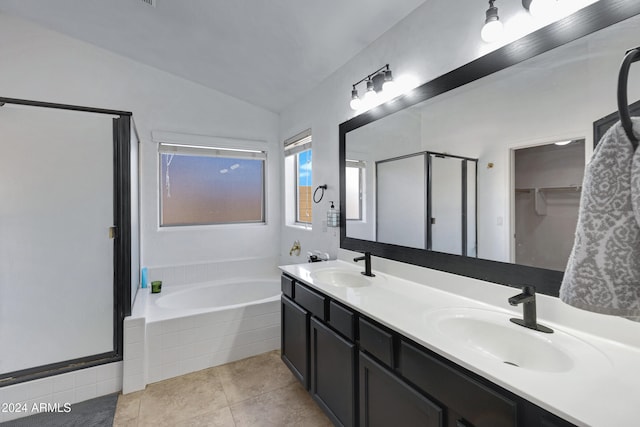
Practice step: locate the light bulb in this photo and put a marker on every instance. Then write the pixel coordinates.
(389, 87)
(492, 31)
(493, 28)
(543, 9)
(355, 103)
(370, 98)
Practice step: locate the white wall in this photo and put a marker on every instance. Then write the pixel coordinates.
(42, 65)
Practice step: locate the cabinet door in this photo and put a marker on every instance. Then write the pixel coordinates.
(333, 373)
(385, 400)
(295, 339)
(477, 403)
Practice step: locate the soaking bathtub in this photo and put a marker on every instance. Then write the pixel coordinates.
(192, 327)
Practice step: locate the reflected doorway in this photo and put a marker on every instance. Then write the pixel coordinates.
(547, 184)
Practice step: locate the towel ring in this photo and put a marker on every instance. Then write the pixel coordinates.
(320, 187)
(630, 57)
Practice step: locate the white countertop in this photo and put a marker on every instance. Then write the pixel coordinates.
(606, 396)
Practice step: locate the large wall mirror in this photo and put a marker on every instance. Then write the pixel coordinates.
(479, 172)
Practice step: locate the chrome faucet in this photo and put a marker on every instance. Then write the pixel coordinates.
(528, 300)
(367, 264)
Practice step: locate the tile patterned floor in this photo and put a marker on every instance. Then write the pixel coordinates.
(258, 391)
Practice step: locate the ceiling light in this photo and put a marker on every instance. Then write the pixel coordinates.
(493, 28)
(563, 142)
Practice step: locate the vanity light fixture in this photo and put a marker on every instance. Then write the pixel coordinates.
(377, 82)
(542, 11)
(493, 28)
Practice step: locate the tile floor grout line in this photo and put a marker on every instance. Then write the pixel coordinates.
(261, 394)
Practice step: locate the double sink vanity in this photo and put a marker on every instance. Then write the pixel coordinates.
(384, 351)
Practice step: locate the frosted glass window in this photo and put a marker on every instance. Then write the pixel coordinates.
(219, 187)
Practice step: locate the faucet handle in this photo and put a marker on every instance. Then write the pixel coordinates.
(529, 289)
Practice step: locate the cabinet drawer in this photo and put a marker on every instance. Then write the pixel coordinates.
(314, 302)
(342, 320)
(376, 341)
(476, 403)
(286, 283)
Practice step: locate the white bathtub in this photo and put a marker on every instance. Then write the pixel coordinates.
(219, 296)
(192, 327)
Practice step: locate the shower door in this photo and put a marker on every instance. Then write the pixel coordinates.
(57, 258)
(452, 204)
(401, 192)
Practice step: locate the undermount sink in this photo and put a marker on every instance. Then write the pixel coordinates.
(492, 335)
(341, 278)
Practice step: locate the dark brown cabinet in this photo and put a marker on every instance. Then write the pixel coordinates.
(470, 403)
(295, 339)
(386, 400)
(362, 373)
(333, 361)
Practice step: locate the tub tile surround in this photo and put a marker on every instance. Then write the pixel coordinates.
(72, 387)
(201, 341)
(405, 294)
(160, 345)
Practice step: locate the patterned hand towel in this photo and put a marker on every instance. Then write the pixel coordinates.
(603, 271)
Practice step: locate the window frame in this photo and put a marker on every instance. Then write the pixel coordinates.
(293, 147)
(242, 151)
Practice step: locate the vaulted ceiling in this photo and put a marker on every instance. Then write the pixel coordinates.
(268, 53)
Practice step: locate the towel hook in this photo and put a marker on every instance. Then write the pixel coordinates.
(630, 57)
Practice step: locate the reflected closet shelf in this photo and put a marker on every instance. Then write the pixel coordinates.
(540, 203)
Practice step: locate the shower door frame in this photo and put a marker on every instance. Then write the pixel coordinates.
(121, 133)
(428, 185)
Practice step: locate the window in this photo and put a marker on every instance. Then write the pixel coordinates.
(298, 179)
(208, 185)
(354, 177)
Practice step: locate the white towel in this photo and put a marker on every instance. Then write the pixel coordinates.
(603, 271)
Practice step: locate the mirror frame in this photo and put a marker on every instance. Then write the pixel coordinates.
(588, 20)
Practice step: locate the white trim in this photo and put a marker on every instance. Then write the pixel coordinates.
(202, 151)
(207, 140)
(298, 143)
